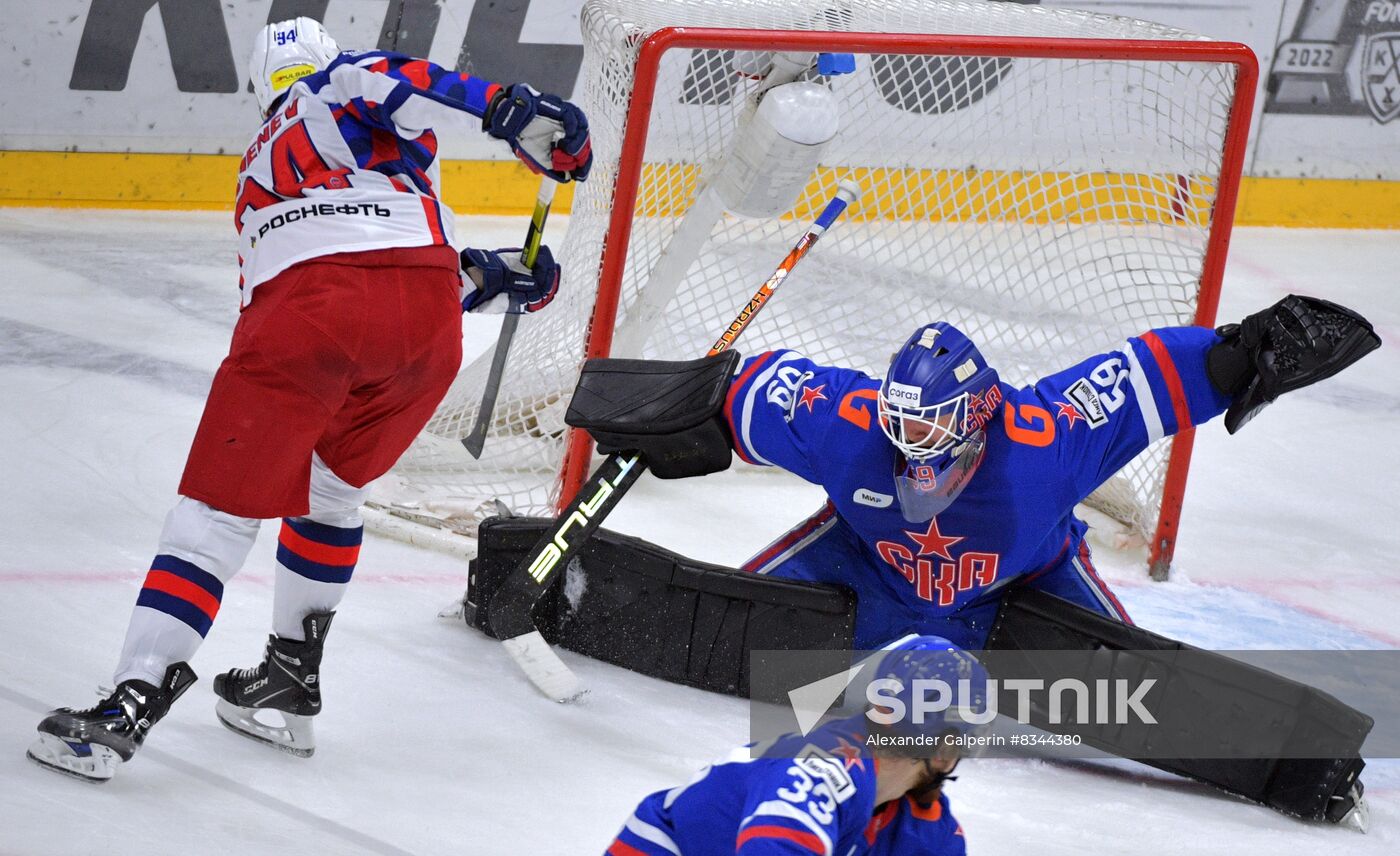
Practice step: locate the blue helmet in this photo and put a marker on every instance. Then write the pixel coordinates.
(927, 686)
(935, 401)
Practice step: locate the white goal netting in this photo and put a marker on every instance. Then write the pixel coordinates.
(1048, 205)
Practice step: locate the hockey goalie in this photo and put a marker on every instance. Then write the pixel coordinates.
(951, 495)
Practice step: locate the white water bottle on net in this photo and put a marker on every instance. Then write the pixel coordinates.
(1051, 181)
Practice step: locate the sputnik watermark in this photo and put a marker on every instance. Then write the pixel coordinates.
(1142, 704)
(967, 741)
(1100, 702)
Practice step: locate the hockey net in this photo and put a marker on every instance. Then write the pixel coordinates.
(1050, 181)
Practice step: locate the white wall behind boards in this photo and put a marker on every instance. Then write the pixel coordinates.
(170, 75)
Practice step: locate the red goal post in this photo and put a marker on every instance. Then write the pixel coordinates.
(603, 319)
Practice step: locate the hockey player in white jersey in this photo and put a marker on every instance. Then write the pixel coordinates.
(349, 336)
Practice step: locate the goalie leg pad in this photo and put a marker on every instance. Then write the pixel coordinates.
(669, 411)
(1201, 699)
(633, 604)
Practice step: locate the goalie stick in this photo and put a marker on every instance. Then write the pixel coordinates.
(476, 440)
(509, 614)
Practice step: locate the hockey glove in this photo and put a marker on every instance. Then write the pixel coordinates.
(671, 412)
(546, 132)
(497, 272)
(1296, 342)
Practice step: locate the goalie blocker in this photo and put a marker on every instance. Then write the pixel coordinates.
(667, 411)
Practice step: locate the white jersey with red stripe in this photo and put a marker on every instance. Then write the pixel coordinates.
(1048, 447)
(347, 162)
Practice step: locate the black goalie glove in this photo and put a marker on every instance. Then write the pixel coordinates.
(668, 411)
(1296, 342)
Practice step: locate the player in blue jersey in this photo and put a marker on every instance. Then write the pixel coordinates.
(945, 485)
(832, 791)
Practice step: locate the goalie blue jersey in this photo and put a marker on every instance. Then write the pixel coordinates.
(1050, 446)
(804, 795)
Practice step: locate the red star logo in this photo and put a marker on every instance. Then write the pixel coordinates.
(1069, 412)
(811, 395)
(934, 542)
(849, 753)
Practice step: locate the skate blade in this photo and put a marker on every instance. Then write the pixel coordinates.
(1359, 818)
(54, 753)
(295, 736)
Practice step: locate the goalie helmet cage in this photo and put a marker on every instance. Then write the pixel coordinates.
(1051, 181)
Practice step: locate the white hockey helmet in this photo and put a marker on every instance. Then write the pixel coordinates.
(284, 53)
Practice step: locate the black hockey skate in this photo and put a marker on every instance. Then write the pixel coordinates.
(89, 744)
(287, 681)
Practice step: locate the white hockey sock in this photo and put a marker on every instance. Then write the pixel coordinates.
(316, 554)
(200, 549)
(314, 563)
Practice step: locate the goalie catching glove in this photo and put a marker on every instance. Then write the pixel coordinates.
(547, 133)
(497, 272)
(667, 411)
(1292, 344)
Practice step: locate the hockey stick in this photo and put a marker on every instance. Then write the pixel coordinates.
(509, 614)
(476, 440)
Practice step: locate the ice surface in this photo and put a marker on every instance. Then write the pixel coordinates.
(111, 325)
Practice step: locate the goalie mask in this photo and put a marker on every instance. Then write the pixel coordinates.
(934, 403)
(286, 52)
